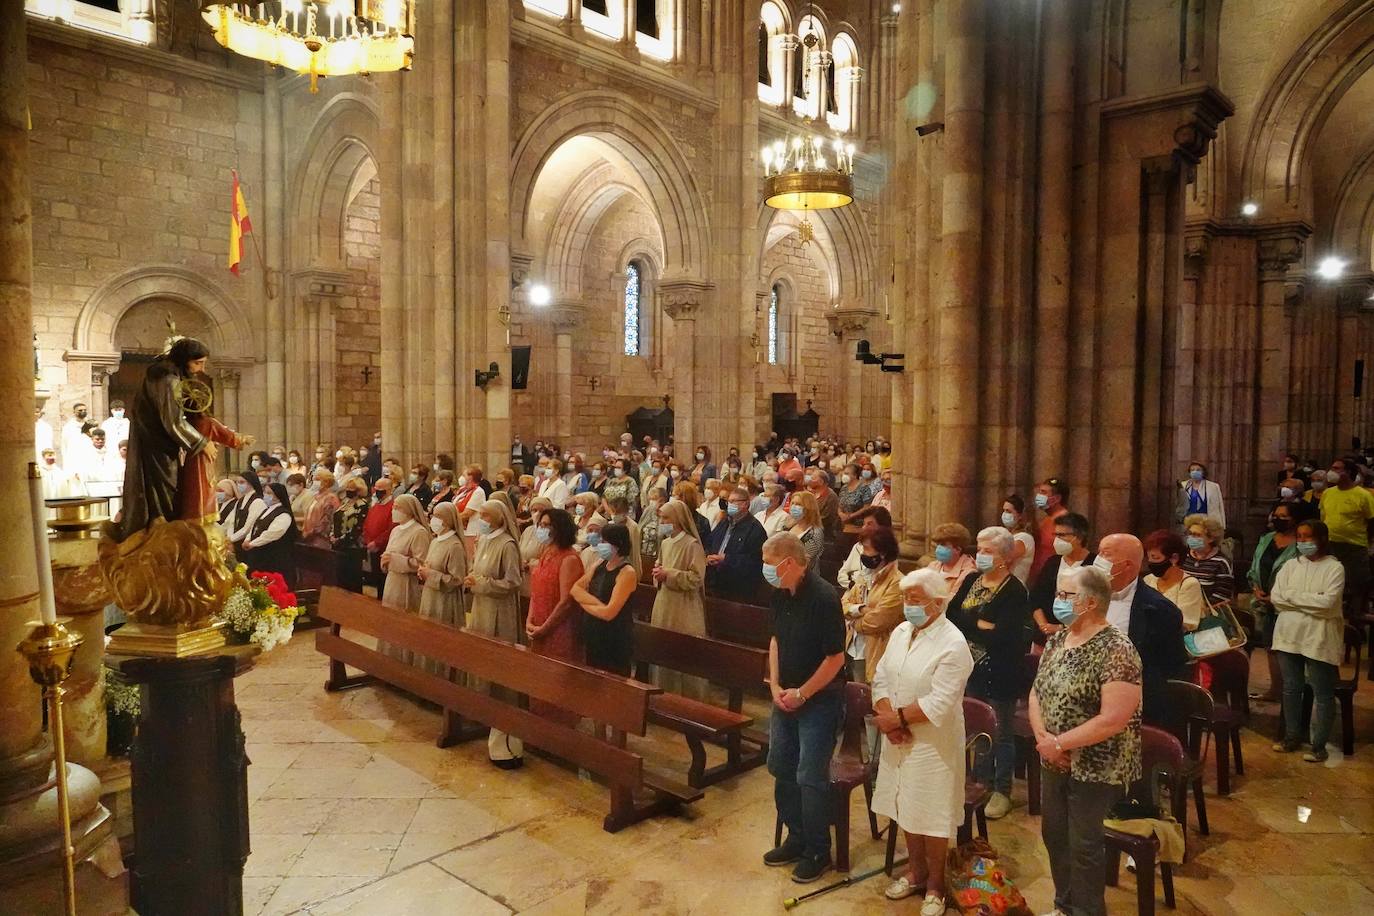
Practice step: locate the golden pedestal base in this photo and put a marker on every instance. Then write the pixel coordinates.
(152, 640)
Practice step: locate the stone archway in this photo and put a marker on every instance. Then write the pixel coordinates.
(97, 349)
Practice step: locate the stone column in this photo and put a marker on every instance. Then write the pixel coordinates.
(566, 317)
(31, 857)
(958, 301)
(1053, 253)
(1192, 385)
(1351, 300)
(1280, 247)
(279, 407)
(850, 324)
(682, 301)
(228, 409)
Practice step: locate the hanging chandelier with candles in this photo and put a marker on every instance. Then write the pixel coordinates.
(805, 174)
(325, 38)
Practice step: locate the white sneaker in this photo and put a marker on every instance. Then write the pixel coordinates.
(900, 889)
(934, 905)
(998, 806)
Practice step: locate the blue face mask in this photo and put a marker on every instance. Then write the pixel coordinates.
(1307, 548)
(603, 550)
(542, 535)
(665, 530)
(770, 575)
(1195, 543)
(1196, 474)
(795, 512)
(1041, 501)
(1064, 612)
(984, 562)
(1008, 519)
(731, 510)
(593, 538)
(483, 526)
(916, 614)
(944, 553)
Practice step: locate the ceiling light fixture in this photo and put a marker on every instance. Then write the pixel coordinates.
(1249, 208)
(1331, 268)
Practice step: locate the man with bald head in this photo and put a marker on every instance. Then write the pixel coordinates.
(1153, 623)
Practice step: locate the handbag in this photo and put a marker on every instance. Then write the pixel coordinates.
(978, 884)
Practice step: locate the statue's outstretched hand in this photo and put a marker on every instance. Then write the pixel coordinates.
(247, 440)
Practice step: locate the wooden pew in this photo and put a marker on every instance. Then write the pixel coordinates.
(620, 703)
(744, 624)
(734, 667)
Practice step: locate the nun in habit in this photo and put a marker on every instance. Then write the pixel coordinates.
(679, 576)
(442, 575)
(494, 583)
(404, 555)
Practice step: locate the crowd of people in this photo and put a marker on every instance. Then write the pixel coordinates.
(88, 458)
(1030, 612)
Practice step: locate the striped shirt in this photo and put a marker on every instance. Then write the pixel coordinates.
(1213, 574)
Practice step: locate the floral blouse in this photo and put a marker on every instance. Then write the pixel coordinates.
(348, 522)
(1069, 688)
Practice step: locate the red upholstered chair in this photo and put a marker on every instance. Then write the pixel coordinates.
(1027, 758)
(1163, 762)
(1188, 718)
(980, 724)
(1231, 693)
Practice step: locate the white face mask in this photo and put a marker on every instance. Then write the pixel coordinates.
(436, 525)
(117, 414)
(462, 480)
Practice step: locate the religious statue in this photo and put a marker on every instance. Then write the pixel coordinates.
(165, 557)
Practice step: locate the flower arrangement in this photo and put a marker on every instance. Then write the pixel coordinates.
(122, 698)
(260, 609)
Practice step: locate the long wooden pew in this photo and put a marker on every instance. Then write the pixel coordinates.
(734, 667)
(620, 703)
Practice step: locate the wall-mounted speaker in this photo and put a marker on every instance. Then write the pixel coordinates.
(519, 368)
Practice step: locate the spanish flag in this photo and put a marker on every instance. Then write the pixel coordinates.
(239, 226)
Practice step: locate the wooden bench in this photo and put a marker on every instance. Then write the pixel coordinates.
(734, 667)
(617, 702)
(743, 624)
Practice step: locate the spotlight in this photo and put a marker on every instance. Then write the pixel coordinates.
(1331, 268)
(540, 294)
(1249, 208)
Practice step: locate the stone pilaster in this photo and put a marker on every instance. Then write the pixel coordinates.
(1279, 248)
(566, 316)
(850, 324)
(683, 300)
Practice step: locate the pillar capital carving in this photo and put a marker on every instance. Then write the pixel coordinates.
(1196, 111)
(229, 378)
(520, 264)
(319, 283)
(1354, 293)
(683, 298)
(1196, 241)
(1279, 248)
(566, 315)
(850, 320)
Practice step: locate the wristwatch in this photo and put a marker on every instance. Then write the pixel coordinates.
(797, 692)
(1057, 746)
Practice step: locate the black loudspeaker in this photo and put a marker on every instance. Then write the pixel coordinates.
(519, 368)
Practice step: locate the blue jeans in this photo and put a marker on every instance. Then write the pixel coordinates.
(1298, 671)
(995, 769)
(800, 745)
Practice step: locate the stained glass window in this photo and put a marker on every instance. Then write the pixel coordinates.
(632, 291)
(774, 342)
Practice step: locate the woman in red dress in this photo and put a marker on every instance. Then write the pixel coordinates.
(552, 622)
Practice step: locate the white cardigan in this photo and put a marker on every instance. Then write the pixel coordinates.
(1211, 491)
(1307, 596)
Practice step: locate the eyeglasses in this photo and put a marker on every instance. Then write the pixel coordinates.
(1065, 596)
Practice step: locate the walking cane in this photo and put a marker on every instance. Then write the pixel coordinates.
(792, 902)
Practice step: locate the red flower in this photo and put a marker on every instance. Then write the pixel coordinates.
(275, 586)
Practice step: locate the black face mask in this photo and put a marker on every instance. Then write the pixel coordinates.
(871, 561)
(1282, 525)
(1159, 568)
(724, 503)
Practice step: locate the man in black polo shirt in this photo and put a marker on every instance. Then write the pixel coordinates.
(805, 661)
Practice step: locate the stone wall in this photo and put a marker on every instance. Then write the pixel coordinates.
(358, 317)
(809, 351)
(130, 168)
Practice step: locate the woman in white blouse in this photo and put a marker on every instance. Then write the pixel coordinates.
(918, 697)
(1308, 637)
(549, 483)
(1014, 520)
(1164, 553)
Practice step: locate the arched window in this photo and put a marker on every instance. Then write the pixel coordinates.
(633, 288)
(774, 325)
(773, 54)
(808, 78)
(843, 84)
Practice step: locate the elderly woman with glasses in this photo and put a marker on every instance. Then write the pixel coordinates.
(918, 694)
(992, 609)
(1085, 714)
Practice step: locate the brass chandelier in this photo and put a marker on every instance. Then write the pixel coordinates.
(318, 37)
(802, 174)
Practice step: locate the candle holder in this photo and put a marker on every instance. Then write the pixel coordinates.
(49, 649)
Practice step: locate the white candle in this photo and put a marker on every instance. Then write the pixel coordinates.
(47, 606)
